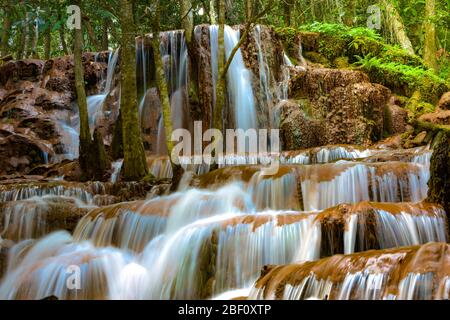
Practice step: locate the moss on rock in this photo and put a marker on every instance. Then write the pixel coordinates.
(385, 64)
(439, 183)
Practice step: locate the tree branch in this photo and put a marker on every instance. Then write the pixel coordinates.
(248, 27)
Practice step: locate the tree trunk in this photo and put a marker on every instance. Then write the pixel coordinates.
(248, 9)
(105, 42)
(99, 162)
(117, 142)
(85, 135)
(21, 46)
(288, 6)
(187, 23)
(429, 53)
(47, 43)
(34, 40)
(26, 31)
(62, 38)
(4, 35)
(212, 12)
(91, 33)
(187, 20)
(395, 24)
(92, 159)
(134, 164)
(161, 81)
(33, 49)
(221, 81)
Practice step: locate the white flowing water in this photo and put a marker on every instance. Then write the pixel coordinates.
(116, 167)
(173, 50)
(95, 103)
(360, 182)
(214, 242)
(239, 86)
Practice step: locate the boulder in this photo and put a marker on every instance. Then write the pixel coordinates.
(20, 153)
(439, 116)
(297, 130)
(352, 108)
(444, 102)
(22, 70)
(420, 138)
(396, 120)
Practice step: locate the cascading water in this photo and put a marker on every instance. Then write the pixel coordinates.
(95, 103)
(239, 86)
(273, 92)
(173, 50)
(214, 235)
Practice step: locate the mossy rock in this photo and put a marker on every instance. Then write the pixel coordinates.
(341, 62)
(149, 178)
(386, 64)
(317, 58)
(405, 80)
(439, 182)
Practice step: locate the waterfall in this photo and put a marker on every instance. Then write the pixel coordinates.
(70, 140)
(84, 193)
(69, 129)
(345, 182)
(174, 53)
(362, 278)
(239, 86)
(334, 222)
(95, 103)
(265, 77)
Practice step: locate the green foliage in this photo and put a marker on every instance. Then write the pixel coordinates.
(341, 31)
(387, 64)
(444, 69)
(403, 78)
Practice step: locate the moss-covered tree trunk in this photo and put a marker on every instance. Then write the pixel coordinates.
(212, 12)
(85, 135)
(161, 81)
(91, 33)
(187, 20)
(21, 45)
(105, 41)
(288, 7)
(117, 141)
(62, 38)
(26, 31)
(429, 50)
(34, 40)
(187, 23)
(134, 164)
(4, 33)
(248, 9)
(395, 24)
(47, 43)
(221, 81)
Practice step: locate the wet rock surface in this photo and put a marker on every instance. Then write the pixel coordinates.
(297, 129)
(239, 219)
(398, 264)
(351, 107)
(36, 107)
